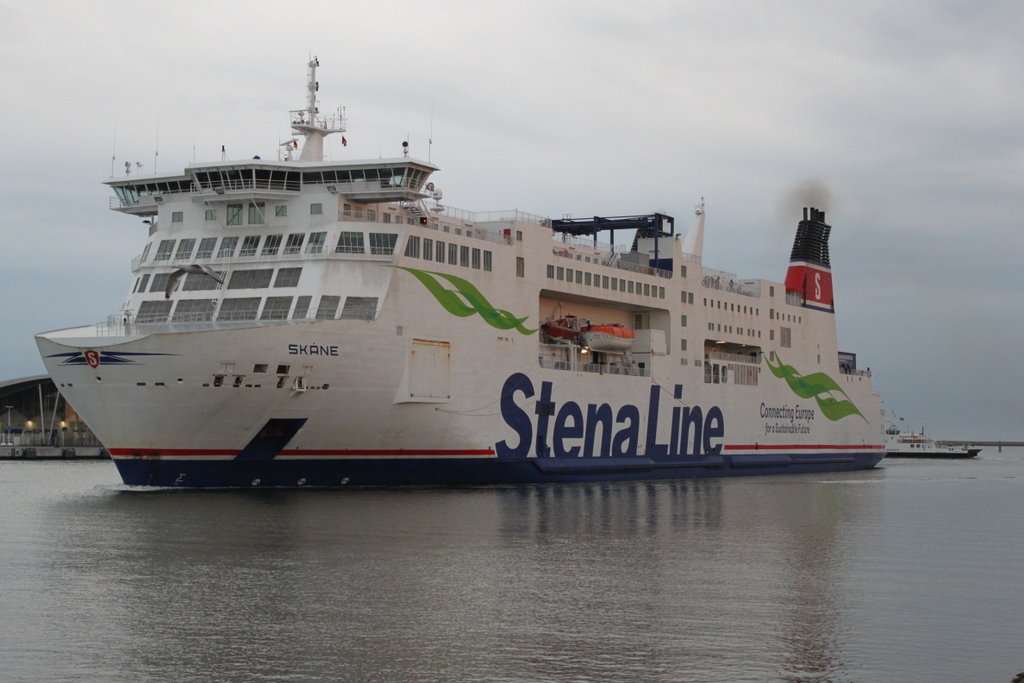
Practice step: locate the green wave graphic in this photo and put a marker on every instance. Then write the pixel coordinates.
(465, 300)
(814, 386)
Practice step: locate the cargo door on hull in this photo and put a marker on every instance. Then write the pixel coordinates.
(427, 373)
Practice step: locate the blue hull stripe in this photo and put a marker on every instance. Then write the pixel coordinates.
(293, 472)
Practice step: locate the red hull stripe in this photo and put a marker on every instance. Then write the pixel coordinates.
(804, 447)
(351, 453)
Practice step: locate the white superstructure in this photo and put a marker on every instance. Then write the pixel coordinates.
(299, 322)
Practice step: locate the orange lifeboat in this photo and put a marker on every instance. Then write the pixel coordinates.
(563, 328)
(607, 337)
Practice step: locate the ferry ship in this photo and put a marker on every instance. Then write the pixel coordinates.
(310, 322)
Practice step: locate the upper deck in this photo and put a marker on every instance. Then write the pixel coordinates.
(370, 181)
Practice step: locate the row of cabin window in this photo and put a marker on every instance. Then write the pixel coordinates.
(734, 308)
(453, 254)
(729, 329)
(240, 279)
(257, 213)
(228, 245)
(603, 281)
(248, 308)
(348, 243)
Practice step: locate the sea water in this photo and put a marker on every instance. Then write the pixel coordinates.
(913, 571)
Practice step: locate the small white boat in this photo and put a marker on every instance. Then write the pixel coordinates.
(909, 444)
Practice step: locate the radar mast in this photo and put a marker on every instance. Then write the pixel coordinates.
(308, 123)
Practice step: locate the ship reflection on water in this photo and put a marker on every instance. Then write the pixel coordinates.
(688, 580)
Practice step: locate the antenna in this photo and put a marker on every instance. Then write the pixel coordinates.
(430, 140)
(156, 154)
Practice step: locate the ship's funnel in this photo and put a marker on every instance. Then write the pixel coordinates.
(810, 273)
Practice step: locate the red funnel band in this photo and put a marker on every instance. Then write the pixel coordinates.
(813, 282)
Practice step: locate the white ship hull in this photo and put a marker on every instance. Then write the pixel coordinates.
(360, 338)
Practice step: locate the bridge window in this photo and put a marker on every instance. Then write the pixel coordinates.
(164, 251)
(249, 245)
(382, 243)
(294, 243)
(206, 246)
(316, 242)
(238, 309)
(328, 308)
(251, 279)
(288, 277)
(185, 248)
(227, 247)
(350, 243)
(271, 245)
(276, 308)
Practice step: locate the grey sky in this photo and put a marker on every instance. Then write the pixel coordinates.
(907, 114)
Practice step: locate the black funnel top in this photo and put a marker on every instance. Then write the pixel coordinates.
(811, 243)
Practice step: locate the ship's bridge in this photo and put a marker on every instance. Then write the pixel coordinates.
(368, 181)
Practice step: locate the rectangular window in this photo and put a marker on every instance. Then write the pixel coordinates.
(185, 248)
(359, 212)
(488, 262)
(177, 216)
(382, 243)
(281, 210)
(288, 277)
(359, 308)
(579, 277)
(412, 246)
(160, 283)
(386, 217)
(301, 308)
(276, 308)
(144, 282)
(519, 235)
(682, 271)
(206, 246)
(568, 274)
(691, 297)
(227, 247)
(559, 273)
(234, 214)
(520, 266)
(316, 209)
(328, 308)
(428, 249)
(193, 311)
(153, 312)
(440, 252)
(371, 215)
(786, 337)
(347, 210)
(211, 215)
(164, 251)
(615, 284)
(250, 279)
(551, 272)
(629, 286)
(238, 309)
(271, 245)
(199, 282)
(586, 278)
(661, 292)
(476, 259)
(249, 245)
(771, 291)
(604, 282)
(682, 344)
(647, 289)
(682, 320)
(771, 334)
(294, 243)
(316, 242)
(256, 215)
(453, 254)
(350, 243)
